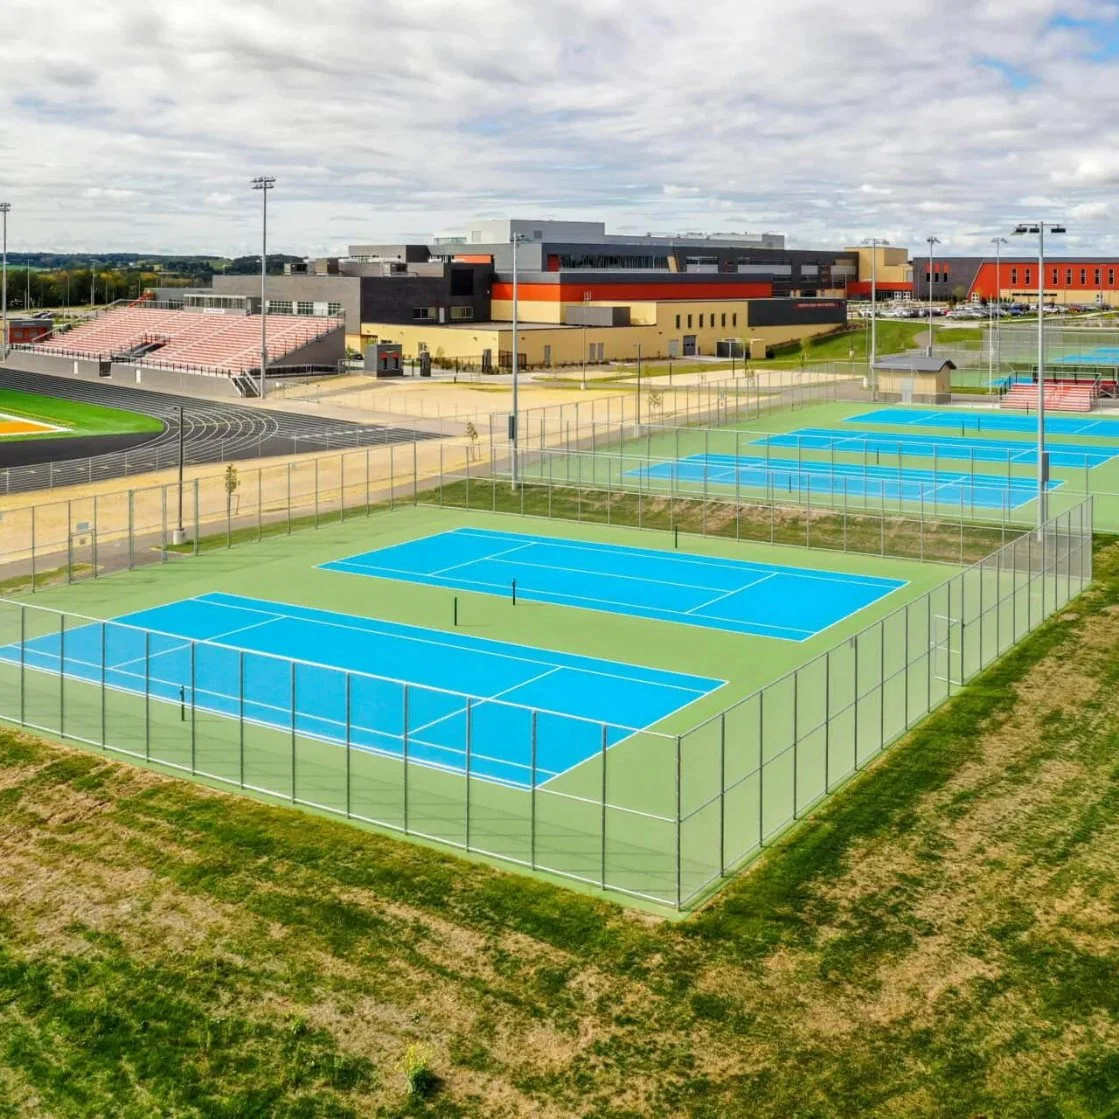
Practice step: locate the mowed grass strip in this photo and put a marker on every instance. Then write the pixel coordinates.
(942, 939)
(75, 416)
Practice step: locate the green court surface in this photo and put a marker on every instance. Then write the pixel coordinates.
(72, 416)
(619, 461)
(655, 835)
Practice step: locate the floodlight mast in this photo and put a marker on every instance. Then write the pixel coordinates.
(994, 346)
(1039, 228)
(516, 239)
(874, 243)
(5, 209)
(931, 241)
(263, 183)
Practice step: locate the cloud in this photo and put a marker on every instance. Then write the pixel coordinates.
(828, 122)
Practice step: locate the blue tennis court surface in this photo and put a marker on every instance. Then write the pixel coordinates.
(1101, 355)
(988, 421)
(974, 449)
(581, 699)
(758, 598)
(853, 480)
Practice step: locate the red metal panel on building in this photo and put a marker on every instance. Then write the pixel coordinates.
(605, 290)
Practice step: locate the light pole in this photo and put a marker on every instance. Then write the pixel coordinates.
(874, 243)
(994, 346)
(931, 241)
(263, 183)
(5, 209)
(1042, 461)
(516, 238)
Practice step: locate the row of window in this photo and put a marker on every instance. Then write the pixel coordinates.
(1097, 276)
(937, 276)
(430, 314)
(303, 307)
(733, 320)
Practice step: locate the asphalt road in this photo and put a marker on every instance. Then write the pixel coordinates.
(213, 431)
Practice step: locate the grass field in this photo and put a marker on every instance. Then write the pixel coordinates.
(74, 417)
(940, 941)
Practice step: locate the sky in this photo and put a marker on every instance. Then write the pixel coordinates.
(137, 126)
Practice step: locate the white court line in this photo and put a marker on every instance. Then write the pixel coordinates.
(483, 700)
(188, 642)
(736, 590)
(692, 558)
(467, 563)
(469, 649)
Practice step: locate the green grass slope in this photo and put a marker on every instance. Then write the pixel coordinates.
(941, 940)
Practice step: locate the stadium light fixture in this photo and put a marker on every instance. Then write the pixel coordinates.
(874, 243)
(1039, 230)
(994, 348)
(931, 241)
(5, 210)
(263, 183)
(516, 239)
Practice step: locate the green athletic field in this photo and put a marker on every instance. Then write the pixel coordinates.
(74, 417)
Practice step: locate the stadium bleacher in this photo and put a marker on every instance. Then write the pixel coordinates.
(190, 339)
(1060, 396)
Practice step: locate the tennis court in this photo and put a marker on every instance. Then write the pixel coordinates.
(307, 670)
(804, 479)
(767, 600)
(975, 449)
(988, 421)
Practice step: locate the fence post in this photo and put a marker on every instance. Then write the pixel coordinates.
(602, 864)
(292, 698)
(241, 718)
(316, 492)
(197, 518)
(416, 469)
(193, 705)
(796, 741)
(93, 538)
(367, 496)
(827, 722)
(33, 508)
(856, 735)
(469, 731)
(679, 871)
(259, 504)
(289, 497)
(761, 768)
(131, 533)
(882, 684)
(722, 794)
(349, 710)
(404, 749)
(532, 796)
(103, 689)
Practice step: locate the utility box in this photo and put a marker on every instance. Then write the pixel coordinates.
(757, 349)
(383, 359)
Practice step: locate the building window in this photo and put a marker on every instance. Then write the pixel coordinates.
(424, 314)
(334, 308)
(279, 306)
(928, 277)
(689, 322)
(1014, 275)
(304, 307)
(465, 313)
(700, 322)
(1097, 277)
(734, 319)
(1068, 277)
(724, 319)
(1111, 277)
(677, 322)
(1056, 273)
(1027, 276)
(946, 274)
(1083, 276)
